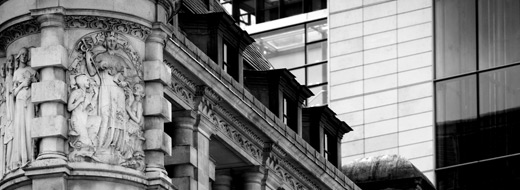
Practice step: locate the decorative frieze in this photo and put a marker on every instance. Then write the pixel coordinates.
(18, 31)
(108, 24)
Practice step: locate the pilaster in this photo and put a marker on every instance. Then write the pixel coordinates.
(157, 110)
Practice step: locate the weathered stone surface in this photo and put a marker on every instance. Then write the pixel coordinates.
(157, 71)
(49, 126)
(156, 139)
(157, 105)
(49, 91)
(50, 56)
(182, 155)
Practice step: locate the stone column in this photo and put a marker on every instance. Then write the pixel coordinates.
(253, 179)
(49, 171)
(222, 182)
(183, 164)
(50, 59)
(157, 110)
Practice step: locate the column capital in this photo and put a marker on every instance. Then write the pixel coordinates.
(50, 17)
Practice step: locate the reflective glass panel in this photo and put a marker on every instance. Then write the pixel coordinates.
(300, 75)
(283, 48)
(499, 111)
(320, 96)
(496, 174)
(455, 34)
(499, 39)
(316, 52)
(316, 74)
(456, 119)
(317, 30)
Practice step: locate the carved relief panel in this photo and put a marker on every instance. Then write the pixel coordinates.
(105, 101)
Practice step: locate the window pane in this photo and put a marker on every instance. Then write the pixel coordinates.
(300, 75)
(503, 174)
(320, 96)
(292, 7)
(499, 103)
(283, 48)
(314, 5)
(317, 30)
(316, 52)
(268, 10)
(499, 39)
(317, 74)
(455, 37)
(457, 128)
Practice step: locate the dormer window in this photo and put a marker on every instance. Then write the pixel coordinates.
(225, 61)
(285, 117)
(326, 146)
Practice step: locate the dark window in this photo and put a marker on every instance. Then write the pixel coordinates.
(250, 12)
(457, 129)
(477, 94)
(230, 60)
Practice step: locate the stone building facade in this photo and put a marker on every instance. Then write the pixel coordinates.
(135, 94)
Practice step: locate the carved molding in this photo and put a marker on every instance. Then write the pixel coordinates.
(109, 24)
(206, 102)
(18, 31)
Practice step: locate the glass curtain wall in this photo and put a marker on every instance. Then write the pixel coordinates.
(477, 94)
(250, 12)
(303, 50)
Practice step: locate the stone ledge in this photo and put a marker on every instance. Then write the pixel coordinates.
(49, 91)
(49, 126)
(156, 139)
(182, 155)
(157, 71)
(51, 56)
(157, 105)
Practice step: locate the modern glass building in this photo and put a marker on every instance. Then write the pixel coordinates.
(436, 82)
(371, 61)
(477, 85)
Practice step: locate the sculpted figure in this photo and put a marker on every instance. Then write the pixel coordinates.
(109, 68)
(79, 104)
(134, 141)
(23, 77)
(7, 121)
(2, 119)
(106, 101)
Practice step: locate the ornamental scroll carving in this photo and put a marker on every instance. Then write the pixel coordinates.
(16, 112)
(18, 31)
(110, 24)
(105, 101)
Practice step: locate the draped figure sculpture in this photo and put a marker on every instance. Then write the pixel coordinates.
(22, 151)
(7, 119)
(111, 65)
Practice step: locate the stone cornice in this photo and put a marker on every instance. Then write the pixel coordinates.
(295, 148)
